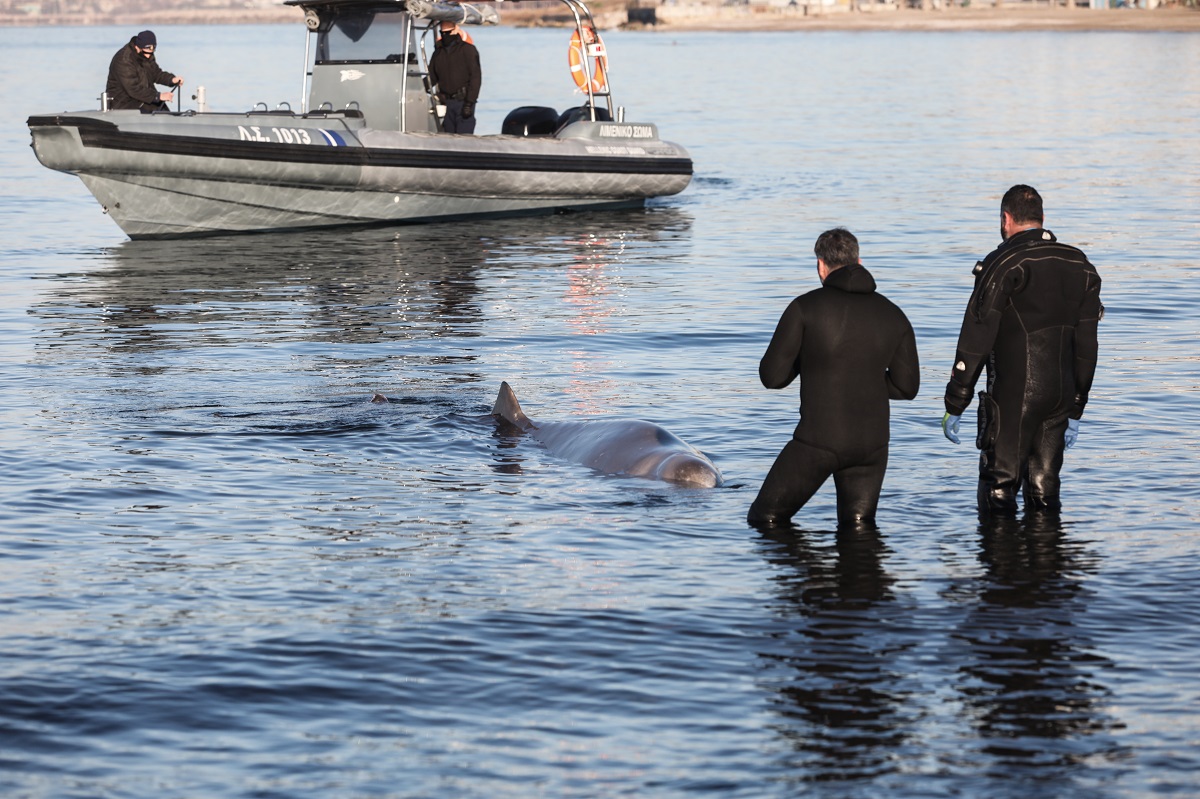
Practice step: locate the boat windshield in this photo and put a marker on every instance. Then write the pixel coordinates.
(362, 36)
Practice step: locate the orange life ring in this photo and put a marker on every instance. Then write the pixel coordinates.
(599, 65)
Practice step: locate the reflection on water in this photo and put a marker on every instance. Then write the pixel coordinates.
(594, 290)
(847, 708)
(366, 286)
(362, 288)
(853, 672)
(150, 307)
(1031, 685)
(587, 286)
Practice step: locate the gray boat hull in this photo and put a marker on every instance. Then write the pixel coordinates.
(175, 175)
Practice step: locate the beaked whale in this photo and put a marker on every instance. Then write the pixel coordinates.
(615, 446)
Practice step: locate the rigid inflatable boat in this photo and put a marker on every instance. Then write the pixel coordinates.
(367, 146)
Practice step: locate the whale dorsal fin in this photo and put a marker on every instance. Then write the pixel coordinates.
(508, 409)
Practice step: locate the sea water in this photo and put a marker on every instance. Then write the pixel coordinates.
(224, 572)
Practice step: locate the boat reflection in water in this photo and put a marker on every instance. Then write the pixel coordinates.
(366, 147)
(419, 284)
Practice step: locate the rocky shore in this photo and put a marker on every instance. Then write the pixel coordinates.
(679, 17)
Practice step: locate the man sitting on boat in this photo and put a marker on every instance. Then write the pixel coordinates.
(132, 75)
(454, 69)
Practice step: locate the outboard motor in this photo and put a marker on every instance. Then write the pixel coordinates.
(582, 113)
(530, 120)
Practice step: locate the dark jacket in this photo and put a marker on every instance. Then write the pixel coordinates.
(454, 69)
(853, 350)
(131, 79)
(1032, 319)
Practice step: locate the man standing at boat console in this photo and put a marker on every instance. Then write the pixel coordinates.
(454, 69)
(132, 74)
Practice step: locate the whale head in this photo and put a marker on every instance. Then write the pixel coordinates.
(684, 468)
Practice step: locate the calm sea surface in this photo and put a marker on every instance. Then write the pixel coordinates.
(225, 573)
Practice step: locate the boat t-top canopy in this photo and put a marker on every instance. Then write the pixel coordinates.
(363, 56)
(432, 10)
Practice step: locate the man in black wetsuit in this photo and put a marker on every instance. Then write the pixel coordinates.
(1032, 321)
(853, 350)
(454, 69)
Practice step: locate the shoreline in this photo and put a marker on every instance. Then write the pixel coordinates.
(1162, 20)
(682, 18)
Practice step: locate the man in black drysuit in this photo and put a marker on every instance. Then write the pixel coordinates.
(1032, 321)
(454, 69)
(132, 74)
(853, 350)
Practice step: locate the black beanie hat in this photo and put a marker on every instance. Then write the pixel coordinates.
(146, 39)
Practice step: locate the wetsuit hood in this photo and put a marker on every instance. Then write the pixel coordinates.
(854, 279)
